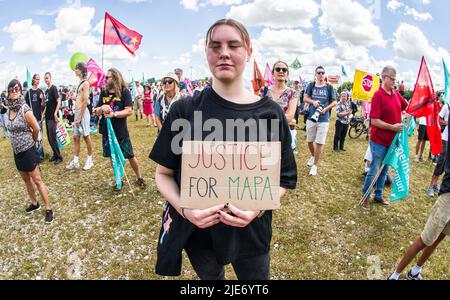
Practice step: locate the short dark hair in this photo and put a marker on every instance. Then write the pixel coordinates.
(319, 68)
(13, 83)
(49, 74)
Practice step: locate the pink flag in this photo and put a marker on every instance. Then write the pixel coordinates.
(97, 76)
(189, 87)
(268, 76)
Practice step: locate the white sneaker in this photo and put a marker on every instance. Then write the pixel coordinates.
(313, 171)
(311, 162)
(88, 165)
(416, 158)
(73, 165)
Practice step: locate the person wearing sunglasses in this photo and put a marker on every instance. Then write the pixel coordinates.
(116, 104)
(24, 134)
(171, 93)
(320, 95)
(287, 98)
(386, 121)
(222, 234)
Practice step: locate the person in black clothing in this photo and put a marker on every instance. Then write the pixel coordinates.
(3, 116)
(52, 105)
(35, 99)
(223, 234)
(116, 104)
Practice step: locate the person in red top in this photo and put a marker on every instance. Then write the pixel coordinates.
(148, 105)
(401, 89)
(386, 121)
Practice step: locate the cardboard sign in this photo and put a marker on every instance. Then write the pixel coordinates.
(364, 86)
(245, 174)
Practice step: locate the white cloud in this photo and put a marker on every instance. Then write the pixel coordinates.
(223, 2)
(425, 2)
(190, 4)
(2, 49)
(352, 24)
(199, 47)
(88, 44)
(276, 14)
(30, 38)
(74, 22)
(395, 5)
(411, 43)
(418, 16)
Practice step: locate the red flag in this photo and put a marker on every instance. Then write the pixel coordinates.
(425, 104)
(258, 79)
(115, 33)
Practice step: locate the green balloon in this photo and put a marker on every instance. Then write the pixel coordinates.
(76, 58)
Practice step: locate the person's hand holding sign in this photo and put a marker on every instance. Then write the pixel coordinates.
(203, 218)
(238, 218)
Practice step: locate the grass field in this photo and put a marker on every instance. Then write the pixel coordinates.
(319, 233)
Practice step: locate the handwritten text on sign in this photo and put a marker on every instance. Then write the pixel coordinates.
(246, 174)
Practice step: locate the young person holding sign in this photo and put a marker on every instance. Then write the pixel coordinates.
(207, 125)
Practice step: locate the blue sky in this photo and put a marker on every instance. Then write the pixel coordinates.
(359, 34)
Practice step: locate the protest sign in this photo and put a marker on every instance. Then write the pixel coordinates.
(364, 86)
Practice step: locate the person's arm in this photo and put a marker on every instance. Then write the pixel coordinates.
(328, 108)
(308, 99)
(84, 101)
(290, 113)
(33, 124)
(443, 122)
(165, 182)
(58, 103)
(386, 126)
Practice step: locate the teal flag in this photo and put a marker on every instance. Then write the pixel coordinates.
(143, 79)
(343, 72)
(132, 88)
(296, 64)
(447, 84)
(398, 159)
(412, 126)
(117, 158)
(28, 78)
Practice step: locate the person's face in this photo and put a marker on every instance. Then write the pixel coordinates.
(280, 72)
(14, 92)
(344, 97)
(320, 75)
(48, 80)
(37, 80)
(226, 53)
(390, 80)
(77, 72)
(108, 79)
(179, 74)
(168, 85)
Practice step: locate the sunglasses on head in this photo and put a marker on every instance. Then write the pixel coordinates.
(279, 70)
(14, 89)
(167, 81)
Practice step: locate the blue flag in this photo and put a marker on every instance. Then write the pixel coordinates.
(117, 158)
(398, 159)
(412, 126)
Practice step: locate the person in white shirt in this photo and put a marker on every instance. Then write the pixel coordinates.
(439, 169)
(138, 96)
(422, 140)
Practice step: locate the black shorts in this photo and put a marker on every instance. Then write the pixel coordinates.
(125, 146)
(423, 136)
(27, 161)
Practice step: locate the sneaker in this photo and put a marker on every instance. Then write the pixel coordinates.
(411, 277)
(382, 202)
(390, 277)
(366, 204)
(48, 216)
(58, 161)
(117, 190)
(140, 182)
(52, 159)
(430, 192)
(313, 171)
(421, 159)
(311, 162)
(436, 188)
(72, 165)
(88, 165)
(32, 208)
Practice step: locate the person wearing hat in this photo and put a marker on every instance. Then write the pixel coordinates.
(147, 105)
(171, 93)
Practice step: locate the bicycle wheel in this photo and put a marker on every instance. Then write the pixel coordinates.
(356, 131)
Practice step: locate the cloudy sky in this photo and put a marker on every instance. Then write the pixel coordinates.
(358, 34)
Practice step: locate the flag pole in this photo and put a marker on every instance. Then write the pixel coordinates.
(103, 52)
(375, 179)
(129, 184)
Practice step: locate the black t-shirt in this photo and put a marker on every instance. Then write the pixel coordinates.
(51, 96)
(2, 109)
(33, 99)
(116, 104)
(229, 243)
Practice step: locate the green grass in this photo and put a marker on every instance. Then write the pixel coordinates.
(319, 233)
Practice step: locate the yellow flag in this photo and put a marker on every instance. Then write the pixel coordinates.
(364, 86)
